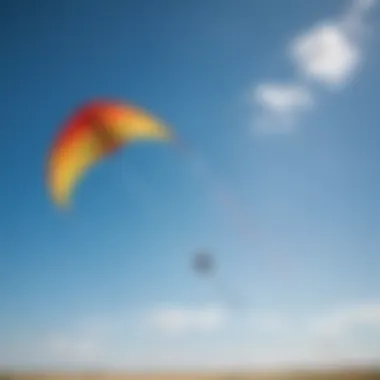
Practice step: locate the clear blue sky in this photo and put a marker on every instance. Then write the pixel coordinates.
(311, 195)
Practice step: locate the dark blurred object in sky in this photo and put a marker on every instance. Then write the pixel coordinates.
(203, 263)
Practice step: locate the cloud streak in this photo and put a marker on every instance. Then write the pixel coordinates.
(281, 102)
(342, 322)
(268, 338)
(179, 320)
(326, 56)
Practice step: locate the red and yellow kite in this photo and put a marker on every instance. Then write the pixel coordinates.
(92, 133)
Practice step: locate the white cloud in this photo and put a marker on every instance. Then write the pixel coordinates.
(52, 349)
(73, 348)
(331, 52)
(282, 98)
(348, 335)
(328, 54)
(333, 337)
(281, 103)
(335, 323)
(270, 323)
(183, 320)
(260, 338)
(341, 322)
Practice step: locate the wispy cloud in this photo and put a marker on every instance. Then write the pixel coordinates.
(335, 336)
(281, 102)
(333, 322)
(262, 338)
(181, 320)
(327, 55)
(341, 322)
(73, 348)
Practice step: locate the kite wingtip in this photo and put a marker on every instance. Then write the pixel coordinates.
(64, 205)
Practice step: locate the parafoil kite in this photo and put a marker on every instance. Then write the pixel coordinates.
(92, 133)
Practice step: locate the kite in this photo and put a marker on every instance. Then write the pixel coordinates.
(203, 263)
(92, 133)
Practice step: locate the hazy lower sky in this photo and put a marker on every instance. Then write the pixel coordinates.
(278, 101)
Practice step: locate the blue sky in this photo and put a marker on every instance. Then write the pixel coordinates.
(278, 99)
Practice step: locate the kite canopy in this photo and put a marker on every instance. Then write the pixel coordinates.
(92, 133)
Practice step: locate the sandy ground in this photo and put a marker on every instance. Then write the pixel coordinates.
(350, 375)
